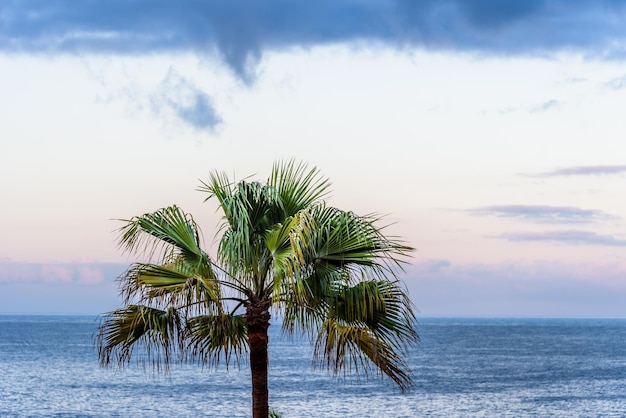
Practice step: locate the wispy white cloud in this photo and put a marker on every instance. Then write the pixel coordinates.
(431, 266)
(545, 106)
(538, 108)
(544, 214)
(181, 98)
(571, 237)
(617, 83)
(589, 170)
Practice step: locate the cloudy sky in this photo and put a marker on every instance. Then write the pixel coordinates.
(491, 133)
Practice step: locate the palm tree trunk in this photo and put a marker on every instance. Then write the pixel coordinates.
(258, 321)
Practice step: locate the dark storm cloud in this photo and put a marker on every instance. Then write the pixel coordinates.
(543, 214)
(242, 30)
(571, 237)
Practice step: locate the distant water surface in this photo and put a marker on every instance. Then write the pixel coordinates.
(463, 367)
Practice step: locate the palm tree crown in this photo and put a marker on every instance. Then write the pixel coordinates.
(330, 274)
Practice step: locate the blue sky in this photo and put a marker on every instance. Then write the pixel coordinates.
(490, 132)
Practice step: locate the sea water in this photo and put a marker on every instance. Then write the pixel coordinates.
(463, 367)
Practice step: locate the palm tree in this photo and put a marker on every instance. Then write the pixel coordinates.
(329, 273)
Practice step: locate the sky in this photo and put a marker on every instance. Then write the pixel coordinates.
(489, 134)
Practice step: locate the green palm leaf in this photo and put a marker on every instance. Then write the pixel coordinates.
(169, 227)
(158, 331)
(298, 185)
(379, 304)
(172, 284)
(355, 348)
(342, 238)
(212, 336)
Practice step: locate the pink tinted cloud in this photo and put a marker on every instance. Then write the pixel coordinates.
(569, 237)
(89, 274)
(544, 213)
(539, 288)
(58, 273)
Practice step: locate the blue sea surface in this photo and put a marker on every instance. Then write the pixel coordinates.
(463, 367)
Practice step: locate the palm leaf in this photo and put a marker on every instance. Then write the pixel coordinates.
(211, 336)
(174, 284)
(248, 211)
(343, 238)
(168, 227)
(284, 243)
(158, 331)
(354, 348)
(298, 185)
(379, 305)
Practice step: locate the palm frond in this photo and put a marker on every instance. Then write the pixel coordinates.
(174, 284)
(363, 323)
(298, 185)
(158, 331)
(169, 228)
(382, 306)
(356, 349)
(214, 336)
(248, 213)
(339, 250)
(244, 204)
(220, 187)
(306, 304)
(284, 243)
(343, 238)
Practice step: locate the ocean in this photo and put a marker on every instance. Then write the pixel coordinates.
(463, 367)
